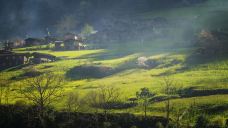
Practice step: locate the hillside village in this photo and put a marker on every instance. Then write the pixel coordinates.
(114, 64)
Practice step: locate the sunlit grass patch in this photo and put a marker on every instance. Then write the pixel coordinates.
(130, 78)
(66, 54)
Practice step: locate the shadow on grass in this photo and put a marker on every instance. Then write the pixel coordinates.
(115, 105)
(191, 92)
(17, 67)
(88, 72)
(47, 67)
(193, 61)
(106, 55)
(196, 59)
(194, 92)
(96, 72)
(28, 74)
(214, 109)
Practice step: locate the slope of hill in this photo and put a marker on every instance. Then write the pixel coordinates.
(168, 51)
(190, 78)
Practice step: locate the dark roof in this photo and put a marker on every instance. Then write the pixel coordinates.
(34, 39)
(5, 52)
(9, 53)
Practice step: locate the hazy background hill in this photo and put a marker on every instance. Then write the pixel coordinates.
(135, 45)
(32, 17)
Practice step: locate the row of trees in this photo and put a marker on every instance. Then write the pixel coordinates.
(44, 90)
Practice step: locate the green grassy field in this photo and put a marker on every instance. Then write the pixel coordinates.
(210, 74)
(130, 77)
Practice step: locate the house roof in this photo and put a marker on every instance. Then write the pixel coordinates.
(9, 53)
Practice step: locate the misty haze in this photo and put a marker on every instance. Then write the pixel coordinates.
(114, 64)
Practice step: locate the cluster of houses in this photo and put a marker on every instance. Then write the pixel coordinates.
(70, 42)
(67, 42)
(10, 59)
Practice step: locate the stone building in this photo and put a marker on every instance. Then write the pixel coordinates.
(41, 57)
(10, 59)
(34, 41)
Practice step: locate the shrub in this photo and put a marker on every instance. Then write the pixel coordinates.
(226, 125)
(219, 122)
(159, 125)
(202, 122)
(107, 124)
(20, 103)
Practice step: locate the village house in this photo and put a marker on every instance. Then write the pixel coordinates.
(17, 43)
(10, 59)
(34, 42)
(70, 42)
(41, 57)
(58, 45)
(8, 45)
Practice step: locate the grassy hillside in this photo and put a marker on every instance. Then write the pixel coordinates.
(128, 75)
(203, 81)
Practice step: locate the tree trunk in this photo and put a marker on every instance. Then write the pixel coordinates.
(167, 112)
(145, 111)
(42, 114)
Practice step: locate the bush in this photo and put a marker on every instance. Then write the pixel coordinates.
(226, 125)
(26, 117)
(116, 105)
(218, 122)
(107, 124)
(159, 125)
(20, 103)
(202, 122)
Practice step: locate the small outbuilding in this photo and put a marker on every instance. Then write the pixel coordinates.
(10, 59)
(41, 57)
(34, 42)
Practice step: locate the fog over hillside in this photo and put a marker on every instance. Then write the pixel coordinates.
(21, 18)
(113, 63)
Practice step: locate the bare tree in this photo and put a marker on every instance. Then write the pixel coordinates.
(92, 99)
(144, 94)
(169, 90)
(107, 96)
(73, 102)
(42, 91)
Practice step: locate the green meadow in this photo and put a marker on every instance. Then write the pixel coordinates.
(174, 61)
(129, 77)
